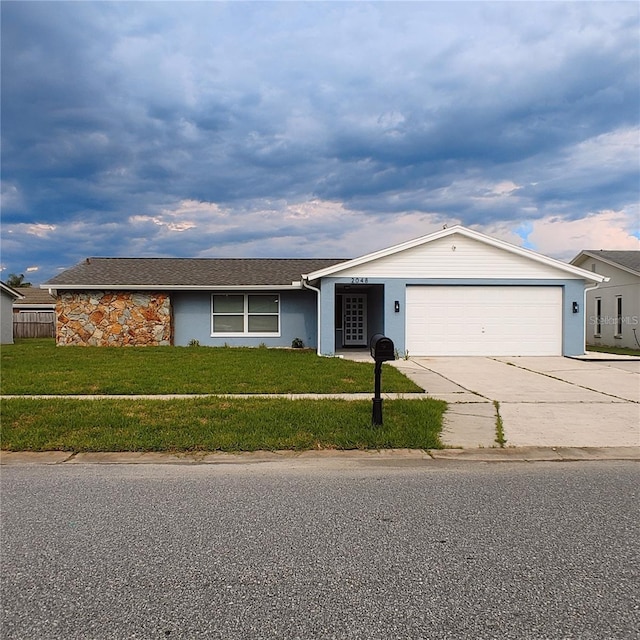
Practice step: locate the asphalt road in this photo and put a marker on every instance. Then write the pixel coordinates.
(413, 550)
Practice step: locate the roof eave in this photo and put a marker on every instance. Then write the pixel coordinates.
(171, 287)
(11, 291)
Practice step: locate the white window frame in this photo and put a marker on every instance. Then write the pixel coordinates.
(598, 324)
(246, 315)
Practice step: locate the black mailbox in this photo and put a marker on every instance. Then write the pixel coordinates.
(382, 348)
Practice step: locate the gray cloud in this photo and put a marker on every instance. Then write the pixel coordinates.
(117, 110)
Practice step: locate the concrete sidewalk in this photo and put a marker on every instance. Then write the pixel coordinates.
(327, 458)
(240, 396)
(542, 401)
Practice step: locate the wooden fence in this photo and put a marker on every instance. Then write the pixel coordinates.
(34, 324)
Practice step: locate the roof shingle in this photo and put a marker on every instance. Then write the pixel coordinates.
(35, 296)
(194, 272)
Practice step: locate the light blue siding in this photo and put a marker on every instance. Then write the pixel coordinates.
(394, 321)
(327, 317)
(573, 323)
(192, 320)
(298, 313)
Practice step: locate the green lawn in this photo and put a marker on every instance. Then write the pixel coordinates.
(625, 351)
(33, 367)
(216, 424)
(39, 367)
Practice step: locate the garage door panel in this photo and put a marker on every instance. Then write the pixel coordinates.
(484, 320)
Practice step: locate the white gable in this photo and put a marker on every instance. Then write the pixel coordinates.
(455, 256)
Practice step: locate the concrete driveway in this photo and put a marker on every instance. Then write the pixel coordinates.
(543, 401)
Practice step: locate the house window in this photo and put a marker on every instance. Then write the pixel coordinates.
(618, 316)
(245, 314)
(598, 330)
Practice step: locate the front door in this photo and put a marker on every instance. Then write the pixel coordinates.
(354, 320)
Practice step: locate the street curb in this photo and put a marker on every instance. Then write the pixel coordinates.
(384, 456)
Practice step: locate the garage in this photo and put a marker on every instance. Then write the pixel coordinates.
(484, 320)
(457, 292)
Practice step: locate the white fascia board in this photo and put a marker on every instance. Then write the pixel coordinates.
(173, 287)
(611, 263)
(16, 295)
(579, 257)
(31, 305)
(476, 235)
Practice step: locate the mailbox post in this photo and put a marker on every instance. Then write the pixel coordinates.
(382, 350)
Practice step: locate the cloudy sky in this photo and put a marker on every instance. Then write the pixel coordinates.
(314, 129)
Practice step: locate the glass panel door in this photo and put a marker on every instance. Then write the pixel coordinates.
(354, 325)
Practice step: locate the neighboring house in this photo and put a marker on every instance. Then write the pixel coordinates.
(613, 309)
(453, 292)
(7, 297)
(34, 315)
(34, 299)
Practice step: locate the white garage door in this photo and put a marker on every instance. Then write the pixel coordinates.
(484, 321)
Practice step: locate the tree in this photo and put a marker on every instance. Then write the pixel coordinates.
(15, 281)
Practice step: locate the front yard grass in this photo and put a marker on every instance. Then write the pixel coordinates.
(216, 424)
(36, 366)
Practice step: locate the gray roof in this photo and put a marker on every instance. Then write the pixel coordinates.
(34, 296)
(187, 272)
(628, 259)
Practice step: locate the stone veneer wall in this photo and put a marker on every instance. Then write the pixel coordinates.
(113, 318)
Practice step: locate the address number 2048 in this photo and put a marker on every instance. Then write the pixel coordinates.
(359, 280)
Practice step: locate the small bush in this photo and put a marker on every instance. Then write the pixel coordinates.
(297, 343)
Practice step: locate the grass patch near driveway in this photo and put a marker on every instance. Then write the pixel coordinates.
(216, 424)
(32, 367)
(500, 439)
(622, 351)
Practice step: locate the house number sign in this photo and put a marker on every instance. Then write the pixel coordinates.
(359, 280)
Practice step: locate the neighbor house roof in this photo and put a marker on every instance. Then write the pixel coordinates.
(10, 291)
(34, 297)
(187, 273)
(627, 260)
